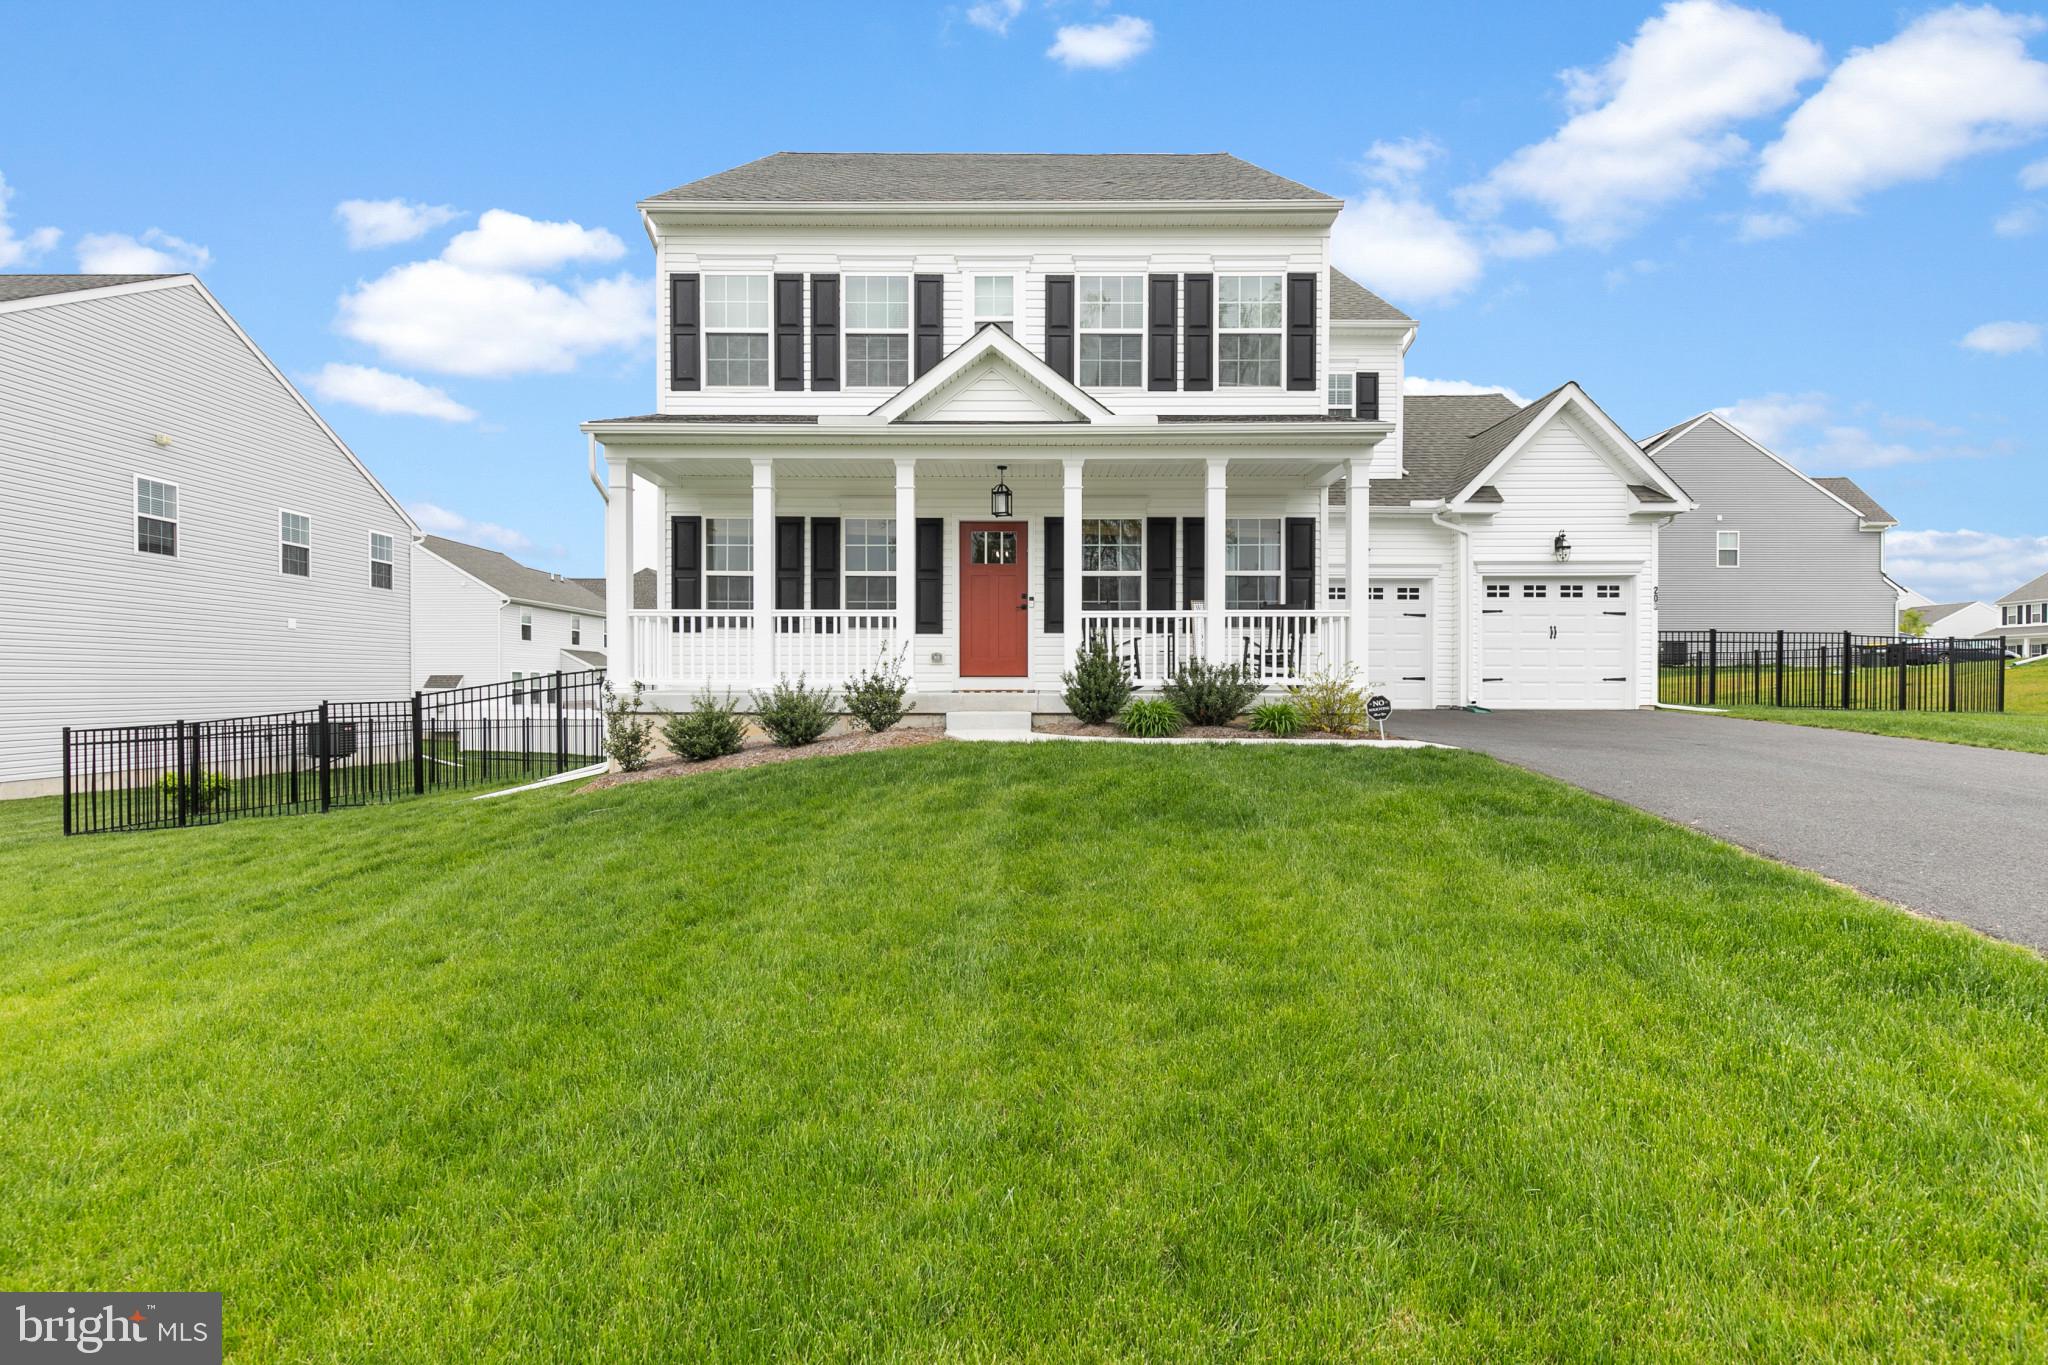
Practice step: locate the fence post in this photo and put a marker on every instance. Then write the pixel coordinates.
(196, 767)
(419, 754)
(2001, 672)
(183, 789)
(1848, 672)
(67, 779)
(326, 764)
(1951, 672)
(561, 728)
(1778, 684)
(1905, 651)
(1713, 666)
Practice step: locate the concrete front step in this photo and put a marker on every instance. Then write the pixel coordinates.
(988, 725)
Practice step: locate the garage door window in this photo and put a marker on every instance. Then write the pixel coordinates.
(1608, 590)
(1571, 590)
(1497, 590)
(1407, 594)
(1535, 590)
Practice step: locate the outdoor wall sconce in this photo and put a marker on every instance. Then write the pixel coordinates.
(1561, 548)
(999, 496)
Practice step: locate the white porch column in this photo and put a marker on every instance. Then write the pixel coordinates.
(1357, 566)
(1212, 557)
(906, 559)
(764, 572)
(621, 665)
(1070, 550)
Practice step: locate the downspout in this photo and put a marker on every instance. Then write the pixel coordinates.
(1465, 625)
(602, 492)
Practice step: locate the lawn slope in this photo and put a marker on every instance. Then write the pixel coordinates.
(1047, 1051)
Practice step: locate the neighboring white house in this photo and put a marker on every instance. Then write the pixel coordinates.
(1908, 598)
(185, 538)
(479, 616)
(1958, 619)
(1769, 548)
(970, 408)
(2023, 618)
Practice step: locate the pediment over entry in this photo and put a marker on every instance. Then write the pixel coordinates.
(992, 377)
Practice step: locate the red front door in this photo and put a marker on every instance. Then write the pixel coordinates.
(995, 600)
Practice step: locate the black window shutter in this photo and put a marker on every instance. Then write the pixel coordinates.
(1163, 333)
(686, 565)
(1159, 564)
(1301, 561)
(931, 571)
(1301, 331)
(1059, 324)
(789, 564)
(1201, 332)
(683, 371)
(1055, 575)
(1365, 392)
(930, 292)
(824, 564)
(825, 333)
(789, 331)
(1193, 583)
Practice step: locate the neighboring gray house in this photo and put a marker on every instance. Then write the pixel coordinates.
(1769, 547)
(184, 537)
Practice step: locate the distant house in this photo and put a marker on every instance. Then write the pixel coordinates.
(185, 538)
(479, 616)
(1958, 618)
(2023, 617)
(1770, 548)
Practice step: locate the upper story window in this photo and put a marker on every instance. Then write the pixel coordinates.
(871, 564)
(1112, 563)
(877, 331)
(575, 630)
(728, 563)
(156, 517)
(295, 543)
(1249, 318)
(1112, 331)
(1251, 562)
(526, 625)
(1727, 549)
(1340, 392)
(380, 560)
(736, 331)
(995, 300)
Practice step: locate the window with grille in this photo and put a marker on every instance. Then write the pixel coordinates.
(1609, 590)
(1497, 590)
(1535, 590)
(380, 560)
(1112, 331)
(736, 317)
(1251, 563)
(995, 300)
(877, 309)
(1249, 317)
(1112, 563)
(1727, 549)
(295, 543)
(156, 517)
(728, 564)
(870, 563)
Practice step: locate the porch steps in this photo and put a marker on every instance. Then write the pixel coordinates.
(1006, 725)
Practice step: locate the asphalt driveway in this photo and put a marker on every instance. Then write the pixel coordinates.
(1944, 829)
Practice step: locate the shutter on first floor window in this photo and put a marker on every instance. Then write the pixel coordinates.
(686, 565)
(1055, 575)
(824, 564)
(931, 575)
(824, 333)
(1365, 395)
(1193, 584)
(789, 332)
(1059, 324)
(1159, 583)
(789, 564)
(928, 343)
(683, 372)
(1301, 561)
(1163, 333)
(1200, 332)
(1301, 331)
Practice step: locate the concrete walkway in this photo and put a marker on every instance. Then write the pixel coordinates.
(1944, 829)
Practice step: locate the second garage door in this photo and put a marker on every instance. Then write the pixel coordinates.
(1565, 642)
(1402, 641)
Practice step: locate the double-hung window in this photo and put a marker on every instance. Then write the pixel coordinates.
(295, 544)
(995, 300)
(156, 517)
(877, 331)
(1112, 563)
(1251, 563)
(870, 563)
(1249, 319)
(575, 630)
(1339, 390)
(526, 625)
(380, 560)
(728, 564)
(736, 331)
(1112, 331)
(1727, 549)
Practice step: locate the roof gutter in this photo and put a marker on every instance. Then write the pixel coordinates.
(602, 491)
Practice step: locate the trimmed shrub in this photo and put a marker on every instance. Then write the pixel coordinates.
(1277, 718)
(874, 696)
(710, 729)
(1210, 694)
(1151, 718)
(1332, 701)
(794, 713)
(194, 796)
(628, 735)
(1100, 683)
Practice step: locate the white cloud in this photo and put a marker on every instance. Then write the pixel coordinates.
(1803, 429)
(1634, 270)
(156, 252)
(995, 15)
(15, 250)
(1762, 227)
(381, 391)
(514, 242)
(1399, 162)
(1103, 46)
(1519, 243)
(1404, 248)
(1955, 566)
(386, 222)
(2003, 338)
(2022, 220)
(1951, 84)
(440, 521)
(438, 316)
(1656, 120)
(2035, 175)
(1415, 384)
(1773, 418)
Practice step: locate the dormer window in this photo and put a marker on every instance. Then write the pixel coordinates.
(877, 331)
(995, 300)
(736, 331)
(1249, 319)
(1112, 330)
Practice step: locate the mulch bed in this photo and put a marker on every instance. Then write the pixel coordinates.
(1067, 725)
(759, 750)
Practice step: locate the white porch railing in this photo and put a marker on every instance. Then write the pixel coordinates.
(831, 646)
(1284, 647)
(1153, 643)
(691, 649)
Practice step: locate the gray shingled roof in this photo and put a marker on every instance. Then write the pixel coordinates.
(14, 287)
(643, 590)
(514, 579)
(1436, 444)
(990, 177)
(1941, 611)
(1865, 505)
(1351, 301)
(591, 658)
(2034, 591)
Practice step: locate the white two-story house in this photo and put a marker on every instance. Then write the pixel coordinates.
(969, 409)
(480, 616)
(2023, 618)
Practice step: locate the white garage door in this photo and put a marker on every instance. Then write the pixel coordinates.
(1402, 641)
(1557, 642)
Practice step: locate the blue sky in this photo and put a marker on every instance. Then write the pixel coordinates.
(1830, 218)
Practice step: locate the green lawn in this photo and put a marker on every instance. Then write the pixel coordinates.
(1055, 1052)
(2023, 725)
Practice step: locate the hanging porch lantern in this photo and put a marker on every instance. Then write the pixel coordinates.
(999, 496)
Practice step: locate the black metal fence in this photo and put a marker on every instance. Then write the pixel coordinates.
(1842, 672)
(340, 753)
